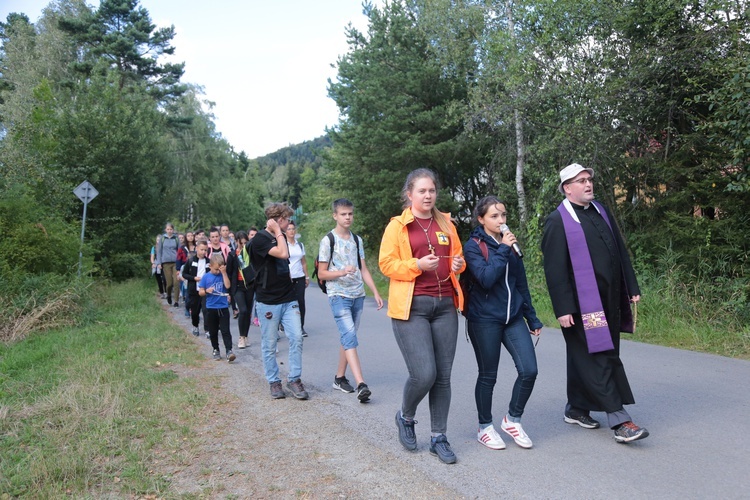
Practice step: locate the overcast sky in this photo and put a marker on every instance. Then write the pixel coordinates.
(264, 63)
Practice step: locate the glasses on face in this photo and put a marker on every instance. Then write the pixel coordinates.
(582, 181)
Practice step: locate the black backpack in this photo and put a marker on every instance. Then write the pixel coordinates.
(466, 280)
(322, 283)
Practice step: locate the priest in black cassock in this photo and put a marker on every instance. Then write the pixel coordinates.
(591, 283)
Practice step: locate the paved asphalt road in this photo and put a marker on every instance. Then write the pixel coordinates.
(696, 407)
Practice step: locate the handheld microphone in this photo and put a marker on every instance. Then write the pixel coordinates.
(516, 246)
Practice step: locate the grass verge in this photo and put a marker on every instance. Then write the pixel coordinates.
(86, 411)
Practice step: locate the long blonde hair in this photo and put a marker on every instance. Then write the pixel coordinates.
(411, 179)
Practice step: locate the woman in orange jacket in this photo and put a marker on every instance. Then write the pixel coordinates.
(421, 254)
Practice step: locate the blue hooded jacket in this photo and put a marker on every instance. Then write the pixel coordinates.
(500, 292)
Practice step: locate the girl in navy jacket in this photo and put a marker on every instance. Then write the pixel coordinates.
(499, 313)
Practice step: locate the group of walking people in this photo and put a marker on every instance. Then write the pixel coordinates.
(587, 268)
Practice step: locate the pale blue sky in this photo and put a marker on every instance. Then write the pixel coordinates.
(264, 63)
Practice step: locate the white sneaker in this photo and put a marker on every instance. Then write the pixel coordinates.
(490, 438)
(514, 430)
(242, 343)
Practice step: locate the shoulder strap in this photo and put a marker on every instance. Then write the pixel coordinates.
(356, 241)
(331, 242)
(483, 247)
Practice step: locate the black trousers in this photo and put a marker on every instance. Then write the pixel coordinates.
(299, 293)
(195, 305)
(218, 320)
(243, 298)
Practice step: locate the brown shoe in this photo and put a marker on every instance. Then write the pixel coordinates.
(298, 390)
(276, 391)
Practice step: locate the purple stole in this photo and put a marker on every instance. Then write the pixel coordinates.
(595, 325)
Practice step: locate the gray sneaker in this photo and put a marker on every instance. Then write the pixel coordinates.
(441, 448)
(298, 390)
(276, 391)
(195, 331)
(628, 432)
(217, 355)
(230, 356)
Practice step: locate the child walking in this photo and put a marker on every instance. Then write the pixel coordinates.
(214, 285)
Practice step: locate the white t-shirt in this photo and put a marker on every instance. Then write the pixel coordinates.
(296, 254)
(350, 286)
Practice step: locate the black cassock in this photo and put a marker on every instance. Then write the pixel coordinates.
(596, 382)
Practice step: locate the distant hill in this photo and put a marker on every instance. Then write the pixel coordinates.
(306, 152)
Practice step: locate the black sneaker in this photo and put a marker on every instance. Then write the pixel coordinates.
(584, 421)
(230, 356)
(304, 333)
(217, 355)
(628, 432)
(276, 390)
(363, 393)
(298, 390)
(440, 447)
(342, 384)
(406, 432)
(176, 304)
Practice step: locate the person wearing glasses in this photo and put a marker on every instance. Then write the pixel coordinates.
(591, 283)
(499, 312)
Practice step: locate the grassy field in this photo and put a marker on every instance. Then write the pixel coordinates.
(87, 411)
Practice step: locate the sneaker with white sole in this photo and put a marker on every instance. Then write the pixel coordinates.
(363, 393)
(628, 432)
(514, 430)
(490, 438)
(217, 355)
(342, 384)
(584, 421)
(195, 331)
(242, 343)
(230, 356)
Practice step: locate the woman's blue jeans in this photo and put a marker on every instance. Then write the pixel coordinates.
(487, 339)
(428, 344)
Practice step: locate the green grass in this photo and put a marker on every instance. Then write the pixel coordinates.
(85, 411)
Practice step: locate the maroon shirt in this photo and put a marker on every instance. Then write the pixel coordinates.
(429, 283)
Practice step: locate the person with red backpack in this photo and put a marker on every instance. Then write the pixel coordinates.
(499, 312)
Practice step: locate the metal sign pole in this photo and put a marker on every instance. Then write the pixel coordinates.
(83, 230)
(85, 192)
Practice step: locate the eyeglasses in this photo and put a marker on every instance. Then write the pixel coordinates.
(582, 181)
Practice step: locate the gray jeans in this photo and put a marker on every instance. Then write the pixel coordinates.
(428, 344)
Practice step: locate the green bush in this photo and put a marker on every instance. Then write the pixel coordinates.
(34, 240)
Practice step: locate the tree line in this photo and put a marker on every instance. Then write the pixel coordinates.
(495, 96)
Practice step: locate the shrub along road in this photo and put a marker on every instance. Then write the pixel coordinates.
(695, 406)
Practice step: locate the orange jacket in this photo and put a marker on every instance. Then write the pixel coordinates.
(398, 264)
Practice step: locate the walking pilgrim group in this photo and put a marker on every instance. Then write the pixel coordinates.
(260, 277)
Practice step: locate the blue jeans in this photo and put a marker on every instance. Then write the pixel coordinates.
(428, 344)
(347, 313)
(270, 316)
(487, 339)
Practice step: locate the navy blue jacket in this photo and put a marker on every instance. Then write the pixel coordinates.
(500, 292)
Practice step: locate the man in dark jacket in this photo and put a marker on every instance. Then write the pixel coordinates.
(591, 283)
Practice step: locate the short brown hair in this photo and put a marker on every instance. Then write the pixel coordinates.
(278, 210)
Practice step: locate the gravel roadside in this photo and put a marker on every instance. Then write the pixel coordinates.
(251, 446)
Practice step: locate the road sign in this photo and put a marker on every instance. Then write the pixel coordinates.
(85, 192)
